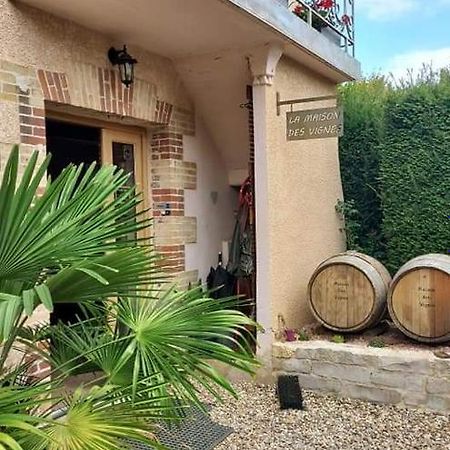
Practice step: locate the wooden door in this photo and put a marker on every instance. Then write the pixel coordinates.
(124, 149)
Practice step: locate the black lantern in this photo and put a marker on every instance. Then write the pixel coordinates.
(125, 62)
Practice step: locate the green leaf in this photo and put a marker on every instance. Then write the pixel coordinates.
(94, 275)
(28, 297)
(45, 296)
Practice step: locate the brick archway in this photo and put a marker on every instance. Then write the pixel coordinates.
(99, 89)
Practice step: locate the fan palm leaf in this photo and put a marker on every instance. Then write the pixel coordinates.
(72, 243)
(175, 335)
(152, 348)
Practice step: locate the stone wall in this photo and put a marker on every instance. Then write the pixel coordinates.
(412, 378)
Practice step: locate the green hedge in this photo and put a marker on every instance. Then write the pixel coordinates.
(395, 164)
(415, 172)
(359, 154)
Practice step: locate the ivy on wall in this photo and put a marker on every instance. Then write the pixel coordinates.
(395, 165)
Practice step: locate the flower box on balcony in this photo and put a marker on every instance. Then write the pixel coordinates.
(333, 18)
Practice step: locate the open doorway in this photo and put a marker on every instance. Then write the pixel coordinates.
(72, 140)
(70, 143)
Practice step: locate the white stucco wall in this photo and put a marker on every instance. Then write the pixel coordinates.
(304, 187)
(215, 220)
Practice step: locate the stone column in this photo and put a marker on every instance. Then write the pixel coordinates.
(263, 62)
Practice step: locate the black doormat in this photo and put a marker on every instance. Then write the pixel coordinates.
(196, 432)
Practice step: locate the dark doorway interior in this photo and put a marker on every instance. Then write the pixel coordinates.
(70, 143)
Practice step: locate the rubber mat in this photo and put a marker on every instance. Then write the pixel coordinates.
(196, 432)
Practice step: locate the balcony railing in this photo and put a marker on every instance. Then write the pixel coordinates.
(334, 18)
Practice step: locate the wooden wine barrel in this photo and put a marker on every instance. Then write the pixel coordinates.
(419, 298)
(347, 292)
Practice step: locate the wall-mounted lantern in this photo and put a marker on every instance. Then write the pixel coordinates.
(125, 62)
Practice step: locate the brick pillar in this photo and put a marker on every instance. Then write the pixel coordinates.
(170, 177)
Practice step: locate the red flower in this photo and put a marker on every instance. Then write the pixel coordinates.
(346, 19)
(299, 9)
(325, 4)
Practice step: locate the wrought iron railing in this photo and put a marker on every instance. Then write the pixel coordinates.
(335, 18)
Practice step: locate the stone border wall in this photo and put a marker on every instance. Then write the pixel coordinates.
(413, 378)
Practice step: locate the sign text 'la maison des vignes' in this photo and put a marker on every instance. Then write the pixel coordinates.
(315, 124)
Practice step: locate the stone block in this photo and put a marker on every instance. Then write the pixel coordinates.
(439, 403)
(174, 174)
(173, 230)
(318, 350)
(341, 371)
(293, 365)
(337, 353)
(441, 368)
(414, 398)
(355, 356)
(392, 376)
(438, 386)
(398, 380)
(370, 393)
(405, 362)
(315, 383)
(280, 350)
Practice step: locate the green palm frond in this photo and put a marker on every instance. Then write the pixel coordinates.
(151, 348)
(100, 418)
(19, 406)
(72, 243)
(175, 335)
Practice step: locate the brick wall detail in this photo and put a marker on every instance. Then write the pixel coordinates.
(171, 175)
(22, 105)
(54, 86)
(182, 122)
(173, 261)
(32, 124)
(163, 112)
(100, 89)
(22, 95)
(115, 98)
(175, 230)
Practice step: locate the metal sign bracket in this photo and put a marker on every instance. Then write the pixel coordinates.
(280, 102)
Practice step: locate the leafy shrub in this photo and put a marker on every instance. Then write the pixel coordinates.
(359, 153)
(303, 335)
(414, 172)
(395, 161)
(352, 226)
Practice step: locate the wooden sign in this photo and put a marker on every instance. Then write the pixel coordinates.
(314, 124)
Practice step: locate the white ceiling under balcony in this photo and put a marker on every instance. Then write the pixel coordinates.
(173, 28)
(182, 28)
(208, 40)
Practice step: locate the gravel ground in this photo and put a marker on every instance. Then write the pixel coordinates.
(327, 423)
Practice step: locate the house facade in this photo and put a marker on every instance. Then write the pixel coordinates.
(203, 109)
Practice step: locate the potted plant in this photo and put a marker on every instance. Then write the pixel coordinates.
(322, 8)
